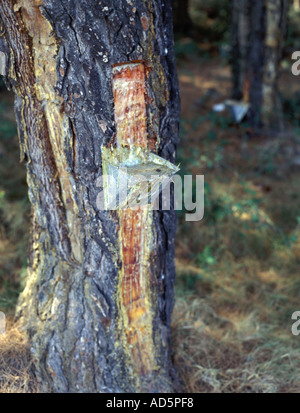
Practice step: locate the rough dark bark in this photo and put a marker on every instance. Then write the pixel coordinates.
(59, 63)
(258, 30)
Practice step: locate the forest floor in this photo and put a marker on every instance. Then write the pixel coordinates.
(238, 280)
(238, 269)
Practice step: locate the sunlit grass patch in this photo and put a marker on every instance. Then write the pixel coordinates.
(16, 374)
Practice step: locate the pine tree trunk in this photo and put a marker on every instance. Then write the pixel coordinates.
(240, 31)
(97, 312)
(258, 30)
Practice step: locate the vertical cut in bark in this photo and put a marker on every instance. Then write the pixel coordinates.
(130, 104)
(135, 236)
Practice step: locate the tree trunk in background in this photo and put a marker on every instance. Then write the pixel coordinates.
(182, 22)
(258, 30)
(240, 31)
(296, 4)
(93, 327)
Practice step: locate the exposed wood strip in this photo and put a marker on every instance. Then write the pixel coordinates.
(135, 236)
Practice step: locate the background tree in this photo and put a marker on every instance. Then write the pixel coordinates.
(183, 24)
(96, 320)
(258, 30)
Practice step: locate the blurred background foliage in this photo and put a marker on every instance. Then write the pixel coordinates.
(238, 270)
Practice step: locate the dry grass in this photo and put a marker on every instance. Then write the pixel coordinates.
(216, 355)
(16, 374)
(238, 269)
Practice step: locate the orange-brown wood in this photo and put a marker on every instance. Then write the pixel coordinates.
(129, 88)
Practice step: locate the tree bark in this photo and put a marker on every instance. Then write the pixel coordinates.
(240, 31)
(258, 30)
(93, 326)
